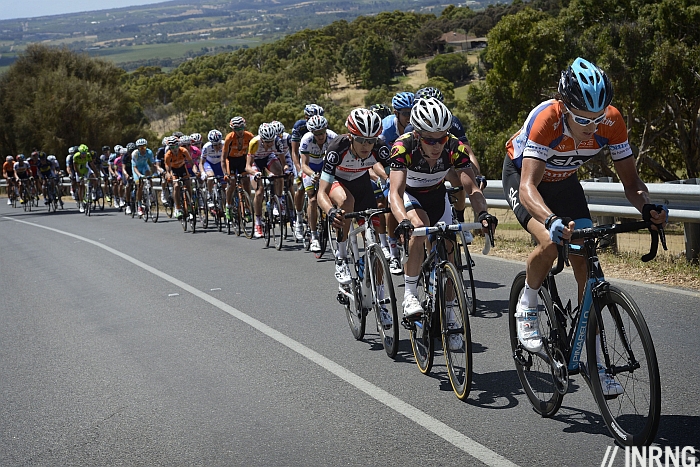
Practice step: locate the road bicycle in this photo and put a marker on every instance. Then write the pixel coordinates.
(52, 194)
(199, 200)
(240, 215)
(607, 315)
(188, 214)
(216, 203)
(445, 307)
(149, 201)
(26, 198)
(371, 287)
(166, 186)
(12, 193)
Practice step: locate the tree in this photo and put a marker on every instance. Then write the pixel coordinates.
(452, 67)
(375, 64)
(53, 98)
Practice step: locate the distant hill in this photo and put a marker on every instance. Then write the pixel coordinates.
(166, 34)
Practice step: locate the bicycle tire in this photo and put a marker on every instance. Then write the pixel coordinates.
(457, 357)
(332, 238)
(632, 417)
(276, 223)
(464, 266)
(534, 372)
(383, 296)
(146, 205)
(100, 202)
(155, 208)
(322, 227)
(421, 330)
(170, 205)
(202, 207)
(189, 212)
(245, 213)
(288, 213)
(355, 314)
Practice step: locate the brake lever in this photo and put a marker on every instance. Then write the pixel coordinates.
(654, 246)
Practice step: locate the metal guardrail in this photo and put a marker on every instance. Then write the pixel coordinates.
(608, 199)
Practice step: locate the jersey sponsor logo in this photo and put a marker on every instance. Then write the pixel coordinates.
(333, 158)
(513, 198)
(564, 161)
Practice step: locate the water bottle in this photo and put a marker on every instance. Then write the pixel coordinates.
(361, 266)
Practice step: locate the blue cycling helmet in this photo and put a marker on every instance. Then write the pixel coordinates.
(403, 100)
(312, 109)
(584, 86)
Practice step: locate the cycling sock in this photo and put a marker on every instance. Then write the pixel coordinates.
(258, 220)
(383, 241)
(394, 249)
(411, 284)
(529, 298)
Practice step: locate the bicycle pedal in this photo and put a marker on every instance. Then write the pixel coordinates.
(408, 325)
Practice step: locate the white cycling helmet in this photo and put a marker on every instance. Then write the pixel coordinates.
(317, 122)
(429, 115)
(51, 158)
(364, 123)
(278, 127)
(214, 136)
(185, 140)
(196, 138)
(117, 148)
(123, 151)
(266, 132)
(141, 142)
(9, 159)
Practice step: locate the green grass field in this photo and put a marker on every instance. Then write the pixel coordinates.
(171, 50)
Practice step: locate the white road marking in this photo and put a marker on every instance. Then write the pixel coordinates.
(452, 436)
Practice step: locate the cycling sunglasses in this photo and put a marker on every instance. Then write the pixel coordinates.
(319, 132)
(434, 141)
(583, 121)
(361, 140)
(238, 128)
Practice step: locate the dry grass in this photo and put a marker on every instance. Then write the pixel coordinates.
(668, 268)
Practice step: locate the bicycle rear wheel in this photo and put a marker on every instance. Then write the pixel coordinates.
(276, 223)
(633, 416)
(421, 331)
(456, 333)
(356, 316)
(189, 210)
(534, 370)
(384, 300)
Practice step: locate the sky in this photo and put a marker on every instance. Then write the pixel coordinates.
(10, 9)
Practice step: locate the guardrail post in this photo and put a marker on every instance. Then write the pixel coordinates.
(604, 220)
(691, 231)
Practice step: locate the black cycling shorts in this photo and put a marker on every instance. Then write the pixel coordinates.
(565, 198)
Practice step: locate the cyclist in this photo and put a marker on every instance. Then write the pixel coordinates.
(82, 166)
(57, 176)
(542, 188)
(236, 147)
(45, 170)
(118, 172)
(8, 173)
(71, 175)
(142, 165)
(128, 171)
(23, 174)
(456, 129)
(176, 159)
(394, 126)
(263, 155)
(104, 166)
(298, 131)
(312, 148)
(210, 161)
(345, 184)
(420, 163)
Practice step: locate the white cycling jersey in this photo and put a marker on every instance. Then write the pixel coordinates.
(211, 155)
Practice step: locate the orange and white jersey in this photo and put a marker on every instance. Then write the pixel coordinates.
(545, 136)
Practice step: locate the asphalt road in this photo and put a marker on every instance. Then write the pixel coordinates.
(126, 343)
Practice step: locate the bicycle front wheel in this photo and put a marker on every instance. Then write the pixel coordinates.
(534, 371)
(384, 301)
(155, 209)
(351, 297)
(421, 330)
(456, 334)
(633, 416)
(245, 213)
(322, 226)
(275, 223)
(464, 265)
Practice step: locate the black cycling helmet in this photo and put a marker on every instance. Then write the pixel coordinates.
(584, 86)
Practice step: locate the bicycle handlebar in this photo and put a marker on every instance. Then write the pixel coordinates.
(462, 226)
(604, 230)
